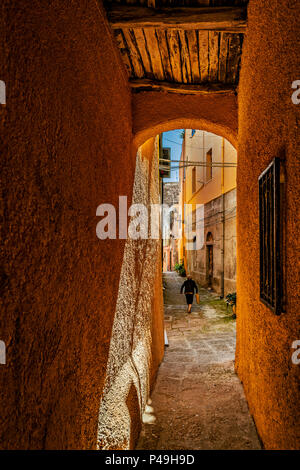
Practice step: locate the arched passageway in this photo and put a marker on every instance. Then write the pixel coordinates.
(134, 358)
(70, 128)
(196, 369)
(156, 112)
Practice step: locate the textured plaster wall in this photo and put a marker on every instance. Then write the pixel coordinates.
(268, 122)
(196, 149)
(197, 260)
(230, 243)
(154, 112)
(66, 139)
(65, 149)
(208, 192)
(137, 341)
(171, 193)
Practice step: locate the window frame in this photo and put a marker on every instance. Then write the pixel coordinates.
(270, 237)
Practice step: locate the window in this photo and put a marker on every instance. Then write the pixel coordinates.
(270, 234)
(194, 180)
(208, 165)
(165, 162)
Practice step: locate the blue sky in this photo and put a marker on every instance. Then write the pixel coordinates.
(172, 139)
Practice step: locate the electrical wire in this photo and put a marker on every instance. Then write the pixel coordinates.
(188, 225)
(204, 164)
(227, 211)
(191, 146)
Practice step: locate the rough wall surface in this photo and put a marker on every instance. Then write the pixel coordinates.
(268, 123)
(137, 341)
(67, 127)
(230, 243)
(171, 193)
(198, 260)
(155, 112)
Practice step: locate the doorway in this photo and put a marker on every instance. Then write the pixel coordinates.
(209, 260)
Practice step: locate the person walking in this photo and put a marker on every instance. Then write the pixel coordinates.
(189, 287)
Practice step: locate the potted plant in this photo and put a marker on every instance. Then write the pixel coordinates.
(230, 299)
(179, 267)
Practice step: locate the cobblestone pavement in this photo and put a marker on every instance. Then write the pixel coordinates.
(198, 401)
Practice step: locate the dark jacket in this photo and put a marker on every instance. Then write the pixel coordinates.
(189, 286)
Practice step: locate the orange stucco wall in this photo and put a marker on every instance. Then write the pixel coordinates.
(155, 112)
(267, 128)
(66, 147)
(65, 128)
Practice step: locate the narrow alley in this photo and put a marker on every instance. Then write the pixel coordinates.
(198, 401)
(142, 141)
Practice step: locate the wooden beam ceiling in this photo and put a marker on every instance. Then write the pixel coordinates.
(188, 50)
(138, 85)
(229, 19)
(183, 57)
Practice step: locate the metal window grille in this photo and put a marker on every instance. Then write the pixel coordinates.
(270, 237)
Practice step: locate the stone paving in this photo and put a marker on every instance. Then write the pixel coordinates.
(198, 401)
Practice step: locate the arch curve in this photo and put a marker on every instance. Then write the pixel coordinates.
(156, 112)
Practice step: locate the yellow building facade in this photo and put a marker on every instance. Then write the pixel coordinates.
(208, 209)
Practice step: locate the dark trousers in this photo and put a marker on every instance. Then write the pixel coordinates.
(189, 298)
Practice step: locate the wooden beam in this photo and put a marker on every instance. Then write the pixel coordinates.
(141, 44)
(230, 19)
(213, 41)
(124, 51)
(136, 60)
(172, 38)
(194, 55)
(165, 56)
(154, 53)
(224, 39)
(203, 44)
(183, 88)
(185, 58)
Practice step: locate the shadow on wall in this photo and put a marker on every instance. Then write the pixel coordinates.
(130, 362)
(132, 403)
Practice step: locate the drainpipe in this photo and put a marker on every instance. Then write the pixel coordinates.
(223, 222)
